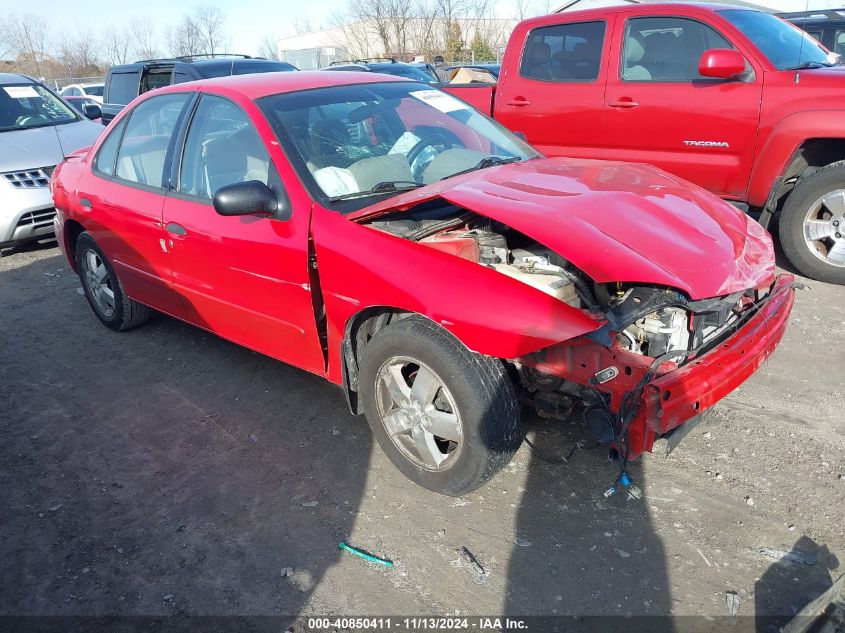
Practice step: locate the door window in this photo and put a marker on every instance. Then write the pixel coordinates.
(222, 148)
(107, 154)
(144, 147)
(839, 43)
(666, 49)
(564, 52)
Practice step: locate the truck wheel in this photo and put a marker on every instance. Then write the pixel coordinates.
(446, 417)
(103, 289)
(812, 225)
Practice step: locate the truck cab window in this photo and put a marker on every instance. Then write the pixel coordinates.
(666, 49)
(564, 52)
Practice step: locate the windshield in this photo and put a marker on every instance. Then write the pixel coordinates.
(24, 106)
(95, 90)
(785, 45)
(353, 143)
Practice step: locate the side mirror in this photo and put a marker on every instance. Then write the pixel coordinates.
(721, 63)
(91, 111)
(252, 197)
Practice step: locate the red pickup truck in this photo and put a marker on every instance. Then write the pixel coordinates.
(737, 101)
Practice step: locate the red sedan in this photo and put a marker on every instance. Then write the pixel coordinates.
(386, 236)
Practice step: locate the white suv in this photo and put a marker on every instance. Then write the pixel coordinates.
(95, 91)
(37, 131)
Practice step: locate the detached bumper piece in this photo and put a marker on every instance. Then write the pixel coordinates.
(676, 393)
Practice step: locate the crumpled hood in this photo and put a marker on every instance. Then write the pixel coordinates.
(616, 222)
(45, 146)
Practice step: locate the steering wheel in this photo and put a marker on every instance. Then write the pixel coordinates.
(437, 138)
(35, 118)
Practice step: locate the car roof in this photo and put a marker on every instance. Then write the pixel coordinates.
(259, 85)
(647, 8)
(15, 78)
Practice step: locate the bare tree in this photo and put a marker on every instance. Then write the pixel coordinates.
(301, 25)
(79, 53)
(25, 37)
(269, 46)
(183, 39)
(117, 45)
(210, 25)
(522, 9)
(144, 39)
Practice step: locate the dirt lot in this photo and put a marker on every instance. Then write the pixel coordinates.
(166, 471)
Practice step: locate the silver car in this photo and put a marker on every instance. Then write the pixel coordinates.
(37, 131)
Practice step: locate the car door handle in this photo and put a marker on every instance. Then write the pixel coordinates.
(624, 102)
(519, 101)
(176, 229)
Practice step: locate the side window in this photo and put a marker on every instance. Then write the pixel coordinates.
(107, 154)
(564, 52)
(123, 87)
(839, 42)
(144, 146)
(222, 148)
(666, 49)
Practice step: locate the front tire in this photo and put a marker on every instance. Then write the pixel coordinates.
(812, 225)
(103, 289)
(446, 417)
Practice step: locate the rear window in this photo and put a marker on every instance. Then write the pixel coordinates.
(123, 87)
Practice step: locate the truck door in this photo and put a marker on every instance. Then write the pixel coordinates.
(554, 94)
(661, 111)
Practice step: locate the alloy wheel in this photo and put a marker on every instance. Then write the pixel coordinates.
(419, 413)
(99, 282)
(824, 228)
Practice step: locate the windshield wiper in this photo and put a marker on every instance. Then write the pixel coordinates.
(808, 65)
(386, 186)
(484, 163)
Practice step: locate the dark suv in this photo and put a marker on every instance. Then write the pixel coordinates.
(389, 66)
(127, 81)
(826, 25)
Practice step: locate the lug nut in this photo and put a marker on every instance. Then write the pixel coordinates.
(838, 235)
(836, 223)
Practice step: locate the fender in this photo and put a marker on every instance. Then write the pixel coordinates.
(490, 313)
(782, 143)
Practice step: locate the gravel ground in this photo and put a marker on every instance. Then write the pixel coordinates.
(166, 471)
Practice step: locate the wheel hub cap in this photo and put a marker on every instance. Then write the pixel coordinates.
(98, 282)
(418, 413)
(824, 228)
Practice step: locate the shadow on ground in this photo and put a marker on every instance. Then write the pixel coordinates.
(162, 470)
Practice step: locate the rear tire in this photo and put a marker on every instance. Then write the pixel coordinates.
(103, 289)
(812, 218)
(446, 417)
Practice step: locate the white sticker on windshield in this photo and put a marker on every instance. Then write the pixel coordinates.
(21, 92)
(440, 100)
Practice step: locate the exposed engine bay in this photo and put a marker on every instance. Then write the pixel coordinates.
(495, 246)
(648, 321)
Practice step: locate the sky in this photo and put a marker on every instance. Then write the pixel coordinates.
(247, 21)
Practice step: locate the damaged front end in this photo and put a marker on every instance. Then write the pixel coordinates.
(658, 358)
